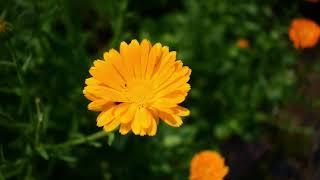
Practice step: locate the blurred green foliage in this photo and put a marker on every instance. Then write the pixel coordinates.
(46, 54)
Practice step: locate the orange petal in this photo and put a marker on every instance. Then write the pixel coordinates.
(99, 105)
(112, 125)
(171, 120)
(105, 117)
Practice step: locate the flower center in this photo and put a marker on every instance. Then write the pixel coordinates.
(139, 91)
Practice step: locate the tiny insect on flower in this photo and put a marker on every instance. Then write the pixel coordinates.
(137, 87)
(208, 165)
(304, 33)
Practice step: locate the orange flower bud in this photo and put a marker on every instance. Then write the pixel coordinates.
(304, 33)
(4, 26)
(243, 43)
(208, 165)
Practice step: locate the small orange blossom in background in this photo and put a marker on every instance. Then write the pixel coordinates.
(304, 33)
(136, 87)
(4, 26)
(242, 43)
(208, 165)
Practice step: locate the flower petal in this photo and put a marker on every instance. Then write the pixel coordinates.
(112, 125)
(125, 128)
(145, 118)
(116, 60)
(128, 116)
(137, 123)
(145, 49)
(105, 117)
(99, 105)
(92, 81)
(106, 93)
(106, 74)
(153, 128)
(178, 111)
(154, 56)
(171, 120)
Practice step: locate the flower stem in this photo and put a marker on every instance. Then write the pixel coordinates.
(82, 140)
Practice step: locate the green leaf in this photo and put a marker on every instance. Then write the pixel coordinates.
(42, 152)
(110, 138)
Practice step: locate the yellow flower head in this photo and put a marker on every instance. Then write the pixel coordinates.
(136, 87)
(208, 165)
(304, 33)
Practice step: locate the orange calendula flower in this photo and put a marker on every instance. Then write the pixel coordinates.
(242, 43)
(208, 165)
(4, 26)
(304, 33)
(136, 87)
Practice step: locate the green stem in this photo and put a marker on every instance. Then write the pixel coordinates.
(82, 140)
(15, 62)
(24, 94)
(117, 26)
(39, 121)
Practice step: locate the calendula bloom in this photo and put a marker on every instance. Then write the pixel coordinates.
(136, 87)
(242, 43)
(208, 165)
(304, 33)
(4, 26)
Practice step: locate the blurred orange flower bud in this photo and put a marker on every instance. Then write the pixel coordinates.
(304, 33)
(4, 26)
(243, 43)
(208, 165)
